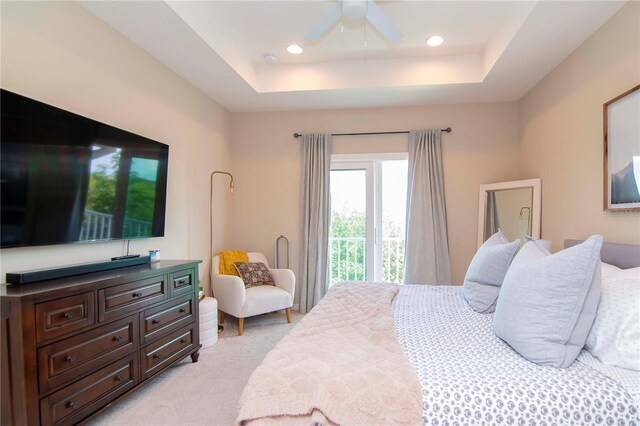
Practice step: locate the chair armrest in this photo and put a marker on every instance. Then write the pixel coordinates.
(285, 279)
(230, 293)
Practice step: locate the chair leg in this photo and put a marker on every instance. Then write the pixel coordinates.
(220, 317)
(240, 326)
(288, 313)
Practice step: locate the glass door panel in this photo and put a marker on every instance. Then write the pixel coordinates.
(348, 232)
(393, 206)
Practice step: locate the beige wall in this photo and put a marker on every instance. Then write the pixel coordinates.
(481, 149)
(561, 132)
(60, 54)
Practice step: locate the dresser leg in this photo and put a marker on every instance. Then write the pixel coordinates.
(194, 356)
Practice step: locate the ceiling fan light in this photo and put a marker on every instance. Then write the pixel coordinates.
(434, 41)
(354, 9)
(294, 49)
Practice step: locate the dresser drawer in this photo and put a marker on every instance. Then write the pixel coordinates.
(116, 301)
(78, 400)
(69, 359)
(155, 322)
(163, 352)
(182, 282)
(61, 316)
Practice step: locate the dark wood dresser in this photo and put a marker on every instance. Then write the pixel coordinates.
(71, 346)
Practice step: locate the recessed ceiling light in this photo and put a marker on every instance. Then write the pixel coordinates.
(271, 58)
(294, 49)
(435, 41)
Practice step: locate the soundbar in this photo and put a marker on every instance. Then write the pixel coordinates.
(34, 275)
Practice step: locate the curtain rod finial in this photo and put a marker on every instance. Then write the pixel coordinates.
(296, 135)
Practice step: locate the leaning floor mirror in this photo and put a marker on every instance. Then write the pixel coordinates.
(513, 207)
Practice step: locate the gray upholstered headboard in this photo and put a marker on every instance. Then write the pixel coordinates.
(624, 256)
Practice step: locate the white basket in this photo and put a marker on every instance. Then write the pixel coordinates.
(208, 321)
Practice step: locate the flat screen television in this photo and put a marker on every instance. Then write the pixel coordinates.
(67, 179)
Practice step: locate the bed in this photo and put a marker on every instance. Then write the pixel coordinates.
(462, 373)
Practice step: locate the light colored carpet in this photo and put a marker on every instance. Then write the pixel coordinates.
(207, 392)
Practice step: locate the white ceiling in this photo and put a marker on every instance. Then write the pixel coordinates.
(493, 50)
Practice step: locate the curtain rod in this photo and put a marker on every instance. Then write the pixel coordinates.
(447, 130)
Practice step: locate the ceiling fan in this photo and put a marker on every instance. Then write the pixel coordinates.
(355, 10)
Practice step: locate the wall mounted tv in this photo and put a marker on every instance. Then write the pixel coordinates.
(66, 178)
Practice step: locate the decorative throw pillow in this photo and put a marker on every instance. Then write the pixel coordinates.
(254, 274)
(548, 302)
(615, 335)
(609, 270)
(486, 271)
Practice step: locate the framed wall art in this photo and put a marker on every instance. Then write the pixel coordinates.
(622, 151)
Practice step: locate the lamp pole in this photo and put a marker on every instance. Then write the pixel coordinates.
(232, 191)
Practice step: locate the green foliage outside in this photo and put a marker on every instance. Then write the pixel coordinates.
(348, 258)
(141, 195)
(102, 190)
(140, 198)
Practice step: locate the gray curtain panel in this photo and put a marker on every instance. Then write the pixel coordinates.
(315, 219)
(491, 221)
(426, 244)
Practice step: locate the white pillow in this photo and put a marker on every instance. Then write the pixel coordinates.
(548, 302)
(615, 335)
(631, 273)
(609, 270)
(486, 271)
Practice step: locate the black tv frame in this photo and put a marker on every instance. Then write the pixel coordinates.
(106, 130)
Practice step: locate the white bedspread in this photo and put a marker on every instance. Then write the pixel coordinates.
(341, 364)
(470, 376)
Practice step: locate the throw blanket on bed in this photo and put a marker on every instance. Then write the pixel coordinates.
(228, 258)
(341, 364)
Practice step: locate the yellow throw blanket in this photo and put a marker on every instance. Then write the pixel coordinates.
(228, 258)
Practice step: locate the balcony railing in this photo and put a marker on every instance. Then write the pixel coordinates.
(97, 226)
(348, 259)
(393, 260)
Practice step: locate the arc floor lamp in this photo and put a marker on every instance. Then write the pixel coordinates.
(232, 190)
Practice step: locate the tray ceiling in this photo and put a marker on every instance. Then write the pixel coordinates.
(493, 51)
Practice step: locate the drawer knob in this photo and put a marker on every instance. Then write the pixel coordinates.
(70, 358)
(156, 356)
(155, 321)
(137, 294)
(71, 404)
(183, 310)
(118, 338)
(118, 378)
(183, 340)
(68, 315)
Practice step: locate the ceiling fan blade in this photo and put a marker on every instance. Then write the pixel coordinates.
(327, 21)
(378, 19)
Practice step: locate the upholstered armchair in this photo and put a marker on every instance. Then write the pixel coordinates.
(234, 299)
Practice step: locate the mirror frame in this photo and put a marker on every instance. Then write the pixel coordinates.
(536, 184)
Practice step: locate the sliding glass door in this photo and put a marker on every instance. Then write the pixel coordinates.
(368, 202)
